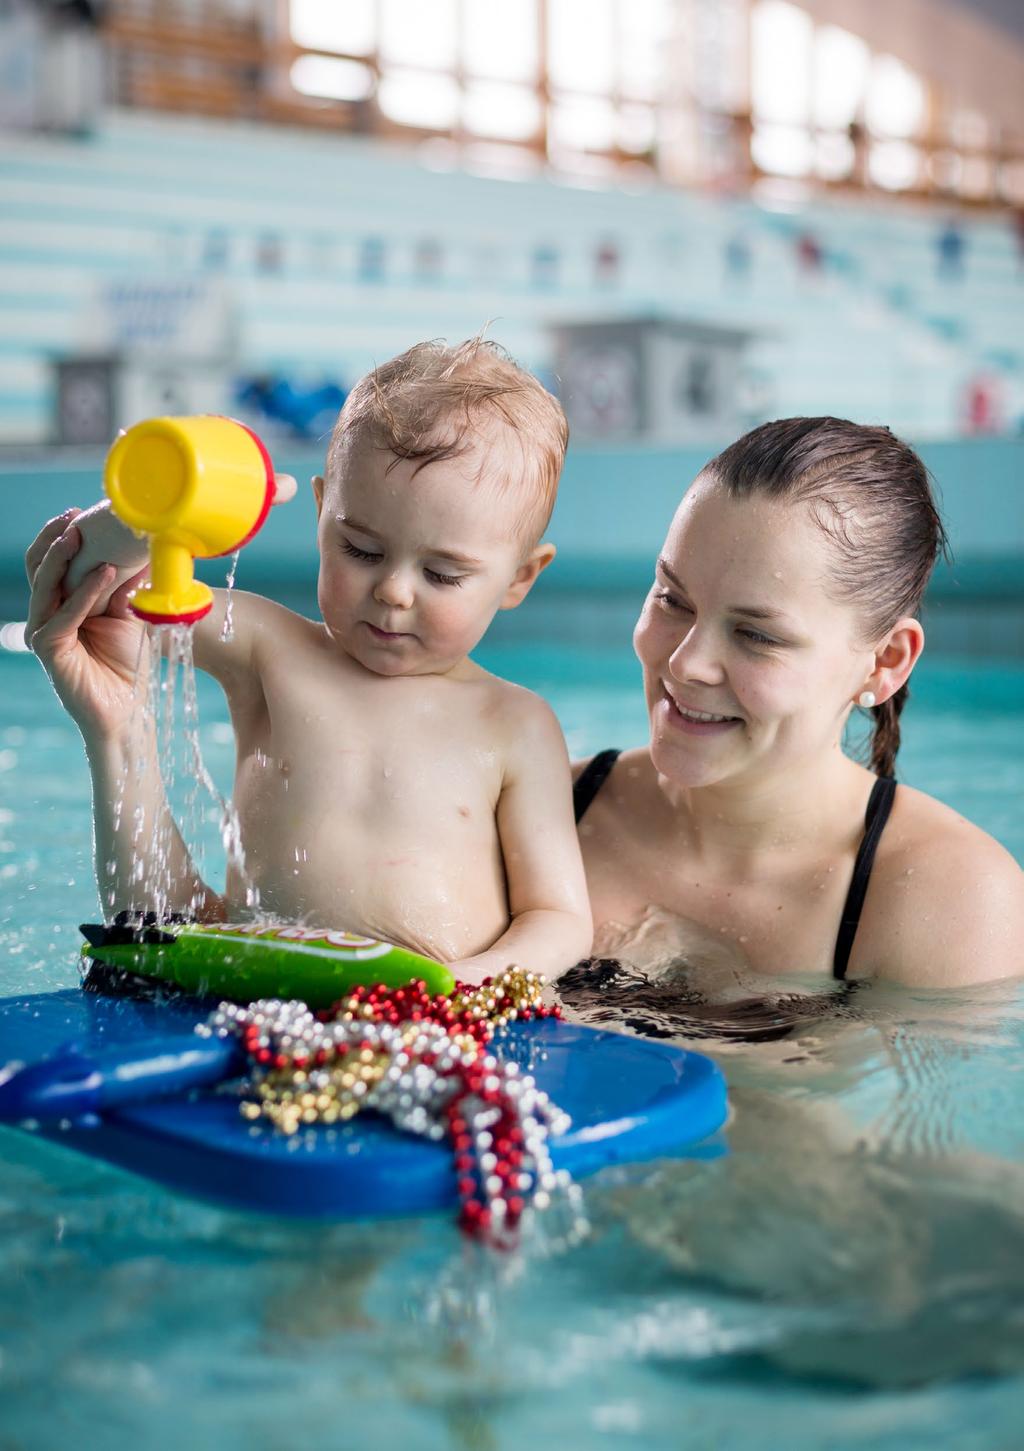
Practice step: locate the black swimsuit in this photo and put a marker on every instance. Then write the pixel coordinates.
(598, 769)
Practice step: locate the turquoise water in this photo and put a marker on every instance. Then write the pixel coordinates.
(850, 1275)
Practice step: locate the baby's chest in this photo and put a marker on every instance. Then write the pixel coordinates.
(404, 765)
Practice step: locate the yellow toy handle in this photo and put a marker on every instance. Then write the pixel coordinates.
(199, 487)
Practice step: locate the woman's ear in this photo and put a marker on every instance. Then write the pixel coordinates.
(523, 580)
(318, 493)
(895, 658)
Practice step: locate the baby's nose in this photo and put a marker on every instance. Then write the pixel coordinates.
(394, 590)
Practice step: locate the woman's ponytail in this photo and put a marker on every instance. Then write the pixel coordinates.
(885, 738)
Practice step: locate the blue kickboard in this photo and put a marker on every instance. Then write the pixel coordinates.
(629, 1099)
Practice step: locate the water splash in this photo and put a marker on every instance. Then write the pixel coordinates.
(227, 632)
(230, 826)
(165, 694)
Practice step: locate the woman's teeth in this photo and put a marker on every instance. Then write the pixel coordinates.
(701, 714)
(702, 717)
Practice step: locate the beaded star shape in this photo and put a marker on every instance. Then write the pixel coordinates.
(423, 1062)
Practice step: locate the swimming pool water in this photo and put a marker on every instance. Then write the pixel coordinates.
(851, 1274)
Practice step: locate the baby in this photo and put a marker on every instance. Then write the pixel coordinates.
(385, 783)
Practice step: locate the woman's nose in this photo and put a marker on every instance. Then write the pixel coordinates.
(695, 658)
(394, 590)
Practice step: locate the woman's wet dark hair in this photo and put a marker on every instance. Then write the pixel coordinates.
(871, 495)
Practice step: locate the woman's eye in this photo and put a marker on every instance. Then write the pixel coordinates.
(756, 638)
(437, 578)
(663, 596)
(357, 553)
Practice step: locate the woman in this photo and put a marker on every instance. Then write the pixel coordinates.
(787, 594)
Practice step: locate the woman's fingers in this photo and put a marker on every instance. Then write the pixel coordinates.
(51, 530)
(285, 488)
(119, 601)
(48, 577)
(63, 623)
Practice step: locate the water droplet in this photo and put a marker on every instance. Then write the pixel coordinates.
(228, 630)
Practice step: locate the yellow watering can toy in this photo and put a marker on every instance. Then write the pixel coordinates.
(199, 487)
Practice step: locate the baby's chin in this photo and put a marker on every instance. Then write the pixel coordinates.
(404, 664)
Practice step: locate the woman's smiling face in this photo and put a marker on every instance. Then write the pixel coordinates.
(750, 666)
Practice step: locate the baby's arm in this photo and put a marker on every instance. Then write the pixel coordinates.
(550, 927)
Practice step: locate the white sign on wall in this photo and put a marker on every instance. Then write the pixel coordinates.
(174, 317)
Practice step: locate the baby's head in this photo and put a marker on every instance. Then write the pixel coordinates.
(441, 476)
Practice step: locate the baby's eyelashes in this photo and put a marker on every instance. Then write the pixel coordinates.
(357, 553)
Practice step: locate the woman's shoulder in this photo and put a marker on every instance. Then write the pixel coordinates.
(628, 766)
(927, 829)
(946, 904)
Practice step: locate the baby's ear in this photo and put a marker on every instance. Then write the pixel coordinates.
(539, 557)
(318, 492)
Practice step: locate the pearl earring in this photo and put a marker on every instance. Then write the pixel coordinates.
(866, 698)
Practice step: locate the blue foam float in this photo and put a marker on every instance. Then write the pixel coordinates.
(127, 1081)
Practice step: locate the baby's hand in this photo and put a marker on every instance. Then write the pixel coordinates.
(474, 971)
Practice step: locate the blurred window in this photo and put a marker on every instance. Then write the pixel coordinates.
(413, 33)
(419, 98)
(895, 105)
(834, 155)
(581, 45)
(715, 53)
(507, 113)
(581, 123)
(784, 150)
(643, 32)
(697, 89)
(350, 28)
(637, 129)
(501, 42)
(780, 62)
(841, 65)
(895, 165)
(323, 75)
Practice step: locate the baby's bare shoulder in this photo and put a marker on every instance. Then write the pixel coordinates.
(517, 722)
(519, 708)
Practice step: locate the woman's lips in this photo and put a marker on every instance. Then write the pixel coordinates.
(689, 723)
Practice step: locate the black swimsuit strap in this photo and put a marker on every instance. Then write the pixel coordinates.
(880, 801)
(590, 780)
(597, 770)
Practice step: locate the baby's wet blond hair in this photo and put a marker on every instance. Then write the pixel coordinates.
(434, 401)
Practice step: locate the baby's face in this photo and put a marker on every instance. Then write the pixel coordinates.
(415, 563)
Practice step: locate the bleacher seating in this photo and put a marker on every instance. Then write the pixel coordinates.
(875, 333)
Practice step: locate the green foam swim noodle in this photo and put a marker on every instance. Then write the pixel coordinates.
(248, 961)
